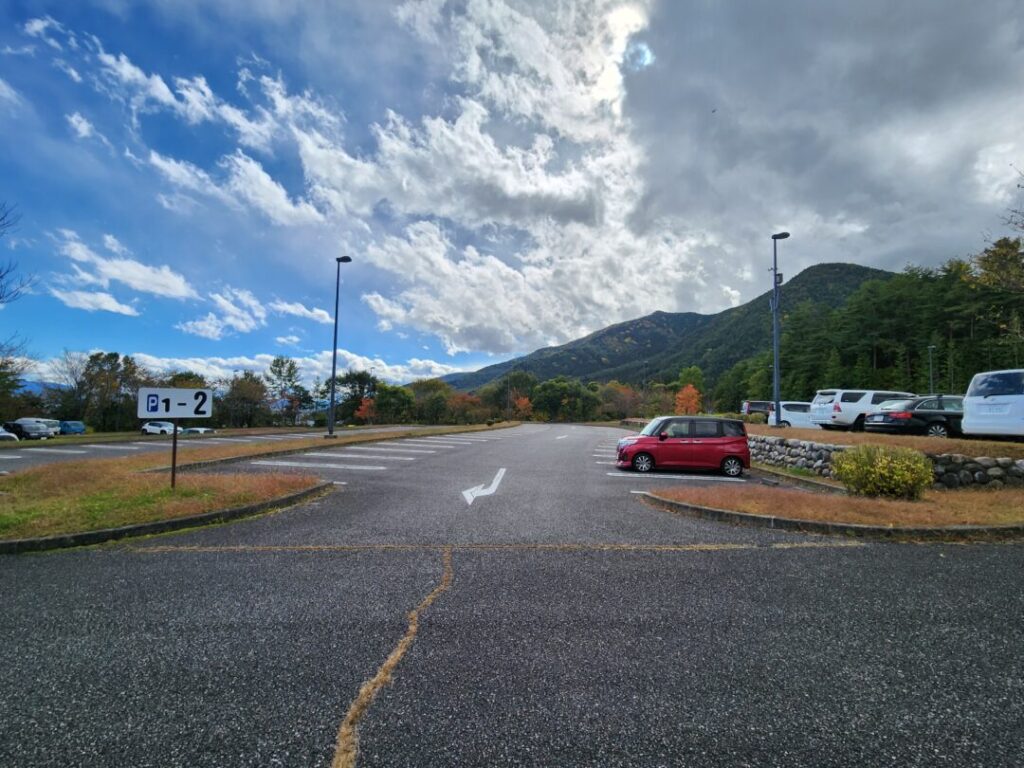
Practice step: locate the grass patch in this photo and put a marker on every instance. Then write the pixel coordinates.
(77, 496)
(936, 509)
(968, 447)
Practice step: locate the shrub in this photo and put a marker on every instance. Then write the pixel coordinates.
(879, 470)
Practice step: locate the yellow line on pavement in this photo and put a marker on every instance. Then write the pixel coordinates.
(347, 746)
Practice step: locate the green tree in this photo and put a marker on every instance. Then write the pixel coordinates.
(350, 390)
(693, 376)
(394, 405)
(245, 403)
(430, 398)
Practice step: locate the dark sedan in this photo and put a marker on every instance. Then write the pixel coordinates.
(27, 430)
(933, 415)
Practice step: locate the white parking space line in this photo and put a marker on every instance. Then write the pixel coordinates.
(360, 457)
(605, 463)
(227, 440)
(266, 437)
(55, 450)
(448, 441)
(113, 447)
(561, 437)
(389, 450)
(424, 444)
(9, 456)
(699, 478)
(316, 465)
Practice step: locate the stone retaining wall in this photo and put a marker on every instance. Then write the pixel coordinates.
(952, 470)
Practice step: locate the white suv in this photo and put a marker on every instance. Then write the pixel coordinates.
(845, 408)
(158, 428)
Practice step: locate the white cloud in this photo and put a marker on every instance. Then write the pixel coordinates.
(143, 92)
(237, 310)
(207, 327)
(67, 69)
(190, 177)
(288, 341)
(7, 93)
(160, 281)
(41, 27)
(248, 181)
(115, 246)
(300, 310)
(83, 129)
(93, 301)
(316, 366)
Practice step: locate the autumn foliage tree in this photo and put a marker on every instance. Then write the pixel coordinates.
(688, 401)
(366, 410)
(523, 408)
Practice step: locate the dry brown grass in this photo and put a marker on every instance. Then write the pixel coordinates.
(937, 508)
(88, 495)
(994, 448)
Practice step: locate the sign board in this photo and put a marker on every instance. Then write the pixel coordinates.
(167, 403)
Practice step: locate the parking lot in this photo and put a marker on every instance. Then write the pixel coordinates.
(562, 621)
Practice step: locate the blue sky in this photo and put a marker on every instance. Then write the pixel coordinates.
(505, 175)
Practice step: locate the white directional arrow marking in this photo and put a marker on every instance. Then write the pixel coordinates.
(479, 490)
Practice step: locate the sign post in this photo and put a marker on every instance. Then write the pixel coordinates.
(174, 404)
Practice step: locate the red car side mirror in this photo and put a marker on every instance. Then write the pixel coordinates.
(663, 436)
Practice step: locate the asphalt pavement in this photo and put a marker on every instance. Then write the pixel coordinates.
(580, 626)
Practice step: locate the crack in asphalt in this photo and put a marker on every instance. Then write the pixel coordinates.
(347, 747)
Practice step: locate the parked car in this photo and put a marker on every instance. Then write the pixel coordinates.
(757, 406)
(5, 435)
(793, 413)
(52, 427)
(51, 424)
(699, 442)
(199, 431)
(27, 429)
(994, 404)
(72, 428)
(158, 428)
(932, 415)
(846, 408)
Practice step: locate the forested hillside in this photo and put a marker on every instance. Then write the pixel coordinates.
(656, 347)
(969, 312)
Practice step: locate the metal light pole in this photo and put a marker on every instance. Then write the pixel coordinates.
(334, 349)
(776, 284)
(931, 371)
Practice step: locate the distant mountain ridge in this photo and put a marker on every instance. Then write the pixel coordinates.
(658, 345)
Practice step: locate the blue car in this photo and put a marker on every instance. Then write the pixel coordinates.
(72, 428)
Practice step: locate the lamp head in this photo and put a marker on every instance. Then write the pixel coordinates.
(780, 236)
(343, 259)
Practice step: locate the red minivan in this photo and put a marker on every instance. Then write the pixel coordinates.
(693, 442)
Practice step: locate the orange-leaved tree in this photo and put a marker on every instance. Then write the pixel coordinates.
(366, 410)
(688, 400)
(524, 408)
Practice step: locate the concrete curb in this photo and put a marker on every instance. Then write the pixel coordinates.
(950, 533)
(86, 538)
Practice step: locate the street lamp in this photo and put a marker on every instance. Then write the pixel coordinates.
(334, 349)
(776, 284)
(931, 371)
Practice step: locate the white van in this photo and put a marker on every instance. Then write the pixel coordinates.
(994, 404)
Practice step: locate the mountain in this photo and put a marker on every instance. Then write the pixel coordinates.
(659, 345)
